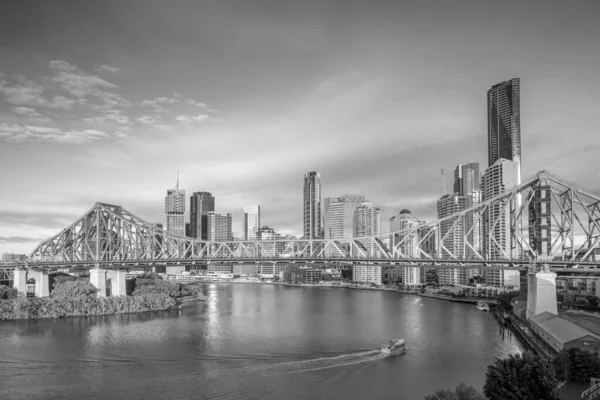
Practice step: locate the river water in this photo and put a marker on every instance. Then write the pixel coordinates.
(255, 342)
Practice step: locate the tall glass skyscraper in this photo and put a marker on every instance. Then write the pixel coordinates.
(251, 222)
(201, 203)
(504, 123)
(339, 215)
(175, 209)
(312, 205)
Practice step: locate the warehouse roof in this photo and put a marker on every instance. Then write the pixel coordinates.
(559, 328)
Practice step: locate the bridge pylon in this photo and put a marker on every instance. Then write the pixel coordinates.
(541, 291)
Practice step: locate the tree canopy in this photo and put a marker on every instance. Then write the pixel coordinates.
(575, 365)
(72, 289)
(461, 392)
(520, 377)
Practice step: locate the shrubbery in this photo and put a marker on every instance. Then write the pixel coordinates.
(8, 293)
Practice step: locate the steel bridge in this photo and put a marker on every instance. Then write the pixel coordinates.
(544, 218)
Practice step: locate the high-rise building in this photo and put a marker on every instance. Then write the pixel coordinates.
(312, 205)
(201, 203)
(367, 223)
(467, 183)
(504, 123)
(218, 226)
(409, 246)
(175, 210)
(453, 232)
(339, 215)
(251, 221)
(496, 237)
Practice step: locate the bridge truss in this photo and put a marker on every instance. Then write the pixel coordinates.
(544, 217)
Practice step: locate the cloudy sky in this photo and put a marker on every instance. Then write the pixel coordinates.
(106, 100)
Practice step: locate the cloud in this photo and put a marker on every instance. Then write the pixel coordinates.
(26, 112)
(29, 93)
(198, 118)
(147, 119)
(196, 103)
(80, 84)
(107, 68)
(19, 133)
(20, 239)
(114, 115)
(166, 100)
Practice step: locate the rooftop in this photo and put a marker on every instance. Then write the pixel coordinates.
(559, 328)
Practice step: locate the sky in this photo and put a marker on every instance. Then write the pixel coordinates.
(106, 101)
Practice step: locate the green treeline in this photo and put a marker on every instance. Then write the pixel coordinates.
(74, 297)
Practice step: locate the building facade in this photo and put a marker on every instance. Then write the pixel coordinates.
(496, 233)
(251, 221)
(367, 223)
(201, 203)
(409, 245)
(312, 205)
(540, 221)
(219, 226)
(367, 274)
(504, 123)
(175, 210)
(339, 215)
(454, 233)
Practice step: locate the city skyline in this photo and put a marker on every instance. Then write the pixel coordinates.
(79, 123)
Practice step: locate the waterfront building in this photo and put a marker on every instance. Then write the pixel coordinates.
(251, 221)
(311, 276)
(367, 274)
(447, 205)
(312, 205)
(201, 203)
(367, 223)
(496, 237)
(409, 247)
(559, 333)
(175, 210)
(219, 226)
(271, 249)
(504, 123)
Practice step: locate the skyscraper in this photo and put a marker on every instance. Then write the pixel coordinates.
(496, 235)
(218, 226)
(251, 222)
(409, 246)
(175, 209)
(367, 223)
(453, 243)
(201, 203)
(504, 123)
(339, 215)
(467, 183)
(312, 205)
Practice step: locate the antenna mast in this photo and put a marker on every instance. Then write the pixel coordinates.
(177, 186)
(444, 188)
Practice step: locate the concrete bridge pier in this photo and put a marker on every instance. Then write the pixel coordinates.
(541, 292)
(39, 279)
(113, 280)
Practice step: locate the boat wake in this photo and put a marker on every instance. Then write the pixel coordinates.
(314, 364)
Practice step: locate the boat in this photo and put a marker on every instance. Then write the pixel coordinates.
(393, 347)
(483, 306)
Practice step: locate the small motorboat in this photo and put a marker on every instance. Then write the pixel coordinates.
(483, 306)
(393, 347)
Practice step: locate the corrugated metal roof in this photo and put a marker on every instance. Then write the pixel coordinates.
(559, 328)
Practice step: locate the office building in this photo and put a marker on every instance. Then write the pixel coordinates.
(408, 244)
(11, 257)
(467, 183)
(251, 221)
(175, 210)
(339, 215)
(453, 232)
(496, 236)
(271, 249)
(201, 203)
(367, 274)
(218, 226)
(366, 224)
(312, 205)
(504, 123)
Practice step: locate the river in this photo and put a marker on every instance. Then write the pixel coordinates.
(255, 342)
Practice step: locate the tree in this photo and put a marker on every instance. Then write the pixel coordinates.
(461, 392)
(575, 365)
(8, 293)
(72, 289)
(520, 377)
